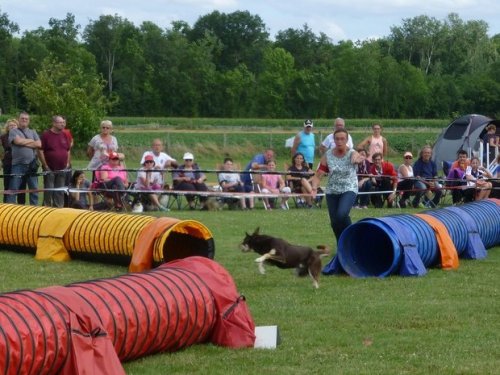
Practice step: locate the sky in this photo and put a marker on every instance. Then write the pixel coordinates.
(338, 19)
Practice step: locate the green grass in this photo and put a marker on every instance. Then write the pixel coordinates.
(446, 322)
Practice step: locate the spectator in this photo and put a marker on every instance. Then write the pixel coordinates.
(113, 176)
(329, 142)
(55, 158)
(7, 161)
(149, 179)
(258, 163)
(476, 176)
(80, 195)
(495, 193)
(406, 179)
(425, 171)
(230, 182)
(101, 145)
(491, 141)
(299, 178)
(162, 160)
(384, 179)
(456, 179)
(342, 186)
(305, 143)
(375, 143)
(364, 181)
(273, 183)
(68, 175)
(25, 144)
(189, 178)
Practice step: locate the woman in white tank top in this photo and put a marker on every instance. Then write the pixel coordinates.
(405, 179)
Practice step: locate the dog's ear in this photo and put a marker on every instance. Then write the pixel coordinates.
(256, 231)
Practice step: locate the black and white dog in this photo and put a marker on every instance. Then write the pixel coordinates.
(282, 254)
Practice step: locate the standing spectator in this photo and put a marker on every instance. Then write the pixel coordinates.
(364, 182)
(55, 158)
(495, 192)
(491, 141)
(101, 145)
(340, 165)
(161, 159)
(375, 143)
(425, 171)
(305, 143)
(7, 161)
(273, 183)
(329, 142)
(406, 179)
(189, 178)
(384, 179)
(149, 179)
(68, 175)
(25, 143)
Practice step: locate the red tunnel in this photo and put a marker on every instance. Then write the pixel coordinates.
(92, 326)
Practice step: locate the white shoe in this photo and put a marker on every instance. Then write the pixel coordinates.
(284, 207)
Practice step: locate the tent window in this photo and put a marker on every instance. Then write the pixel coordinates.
(456, 130)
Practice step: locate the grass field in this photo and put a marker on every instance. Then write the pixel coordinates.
(446, 322)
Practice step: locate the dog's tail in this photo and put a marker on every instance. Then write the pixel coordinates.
(323, 250)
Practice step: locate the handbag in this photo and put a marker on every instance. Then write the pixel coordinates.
(33, 166)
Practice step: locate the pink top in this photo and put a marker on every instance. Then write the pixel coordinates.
(271, 181)
(112, 172)
(376, 145)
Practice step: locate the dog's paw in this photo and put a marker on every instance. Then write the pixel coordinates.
(260, 259)
(262, 270)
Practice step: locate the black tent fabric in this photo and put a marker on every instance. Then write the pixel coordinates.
(463, 133)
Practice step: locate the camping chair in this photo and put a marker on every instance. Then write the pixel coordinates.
(232, 203)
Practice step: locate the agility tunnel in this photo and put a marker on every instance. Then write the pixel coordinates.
(91, 327)
(139, 241)
(408, 244)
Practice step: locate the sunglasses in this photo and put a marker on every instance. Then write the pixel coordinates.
(149, 161)
(115, 159)
(408, 157)
(188, 159)
(105, 127)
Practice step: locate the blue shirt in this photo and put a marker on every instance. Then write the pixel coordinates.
(306, 146)
(259, 159)
(423, 169)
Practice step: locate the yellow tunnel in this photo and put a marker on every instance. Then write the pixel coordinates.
(136, 240)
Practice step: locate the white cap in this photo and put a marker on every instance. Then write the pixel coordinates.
(187, 156)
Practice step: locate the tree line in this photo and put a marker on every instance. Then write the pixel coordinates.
(227, 65)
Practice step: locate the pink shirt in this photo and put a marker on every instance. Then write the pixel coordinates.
(112, 172)
(271, 181)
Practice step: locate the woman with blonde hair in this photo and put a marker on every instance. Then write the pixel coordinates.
(101, 145)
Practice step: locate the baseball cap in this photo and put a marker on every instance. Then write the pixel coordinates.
(149, 158)
(408, 153)
(188, 156)
(308, 123)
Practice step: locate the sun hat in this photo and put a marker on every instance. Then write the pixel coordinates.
(113, 155)
(149, 158)
(188, 156)
(408, 153)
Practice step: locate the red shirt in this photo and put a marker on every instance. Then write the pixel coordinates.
(387, 170)
(55, 148)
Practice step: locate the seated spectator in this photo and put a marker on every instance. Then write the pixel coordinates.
(258, 163)
(273, 183)
(162, 160)
(384, 178)
(187, 177)
(364, 181)
(80, 195)
(456, 179)
(113, 176)
(495, 192)
(425, 171)
(299, 179)
(405, 179)
(149, 179)
(477, 177)
(230, 182)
